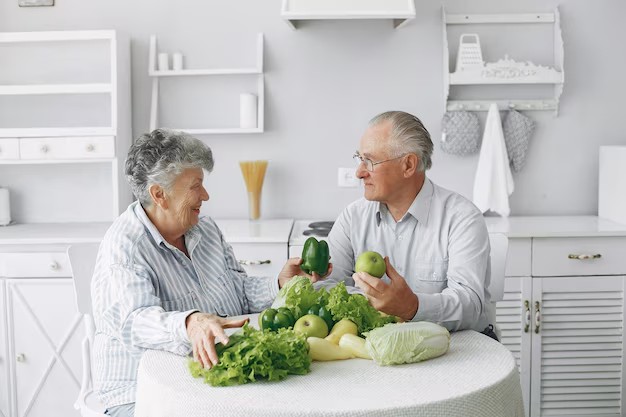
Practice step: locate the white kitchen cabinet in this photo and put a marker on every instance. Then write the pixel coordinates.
(563, 312)
(261, 246)
(4, 356)
(40, 330)
(72, 109)
(45, 331)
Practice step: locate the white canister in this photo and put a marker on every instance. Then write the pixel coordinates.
(163, 64)
(5, 207)
(247, 111)
(177, 61)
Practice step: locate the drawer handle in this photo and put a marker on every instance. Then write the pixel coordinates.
(20, 357)
(584, 256)
(54, 266)
(245, 262)
(91, 147)
(44, 149)
(526, 316)
(537, 317)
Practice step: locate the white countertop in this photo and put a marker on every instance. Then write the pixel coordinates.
(280, 230)
(256, 231)
(554, 226)
(52, 233)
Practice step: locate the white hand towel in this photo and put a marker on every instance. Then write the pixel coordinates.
(493, 183)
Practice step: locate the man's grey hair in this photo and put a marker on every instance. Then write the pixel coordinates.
(408, 135)
(159, 157)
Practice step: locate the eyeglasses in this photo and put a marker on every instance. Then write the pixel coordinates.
(369, 164)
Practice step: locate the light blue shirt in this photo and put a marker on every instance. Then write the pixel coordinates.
(440, 247)
(143, 289)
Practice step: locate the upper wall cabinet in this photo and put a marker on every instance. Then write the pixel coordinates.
(514, 60)
(400, 11)
(65, 100)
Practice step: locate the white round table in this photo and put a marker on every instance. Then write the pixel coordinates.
(476, 377)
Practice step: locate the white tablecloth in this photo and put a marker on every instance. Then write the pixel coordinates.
(477, 377)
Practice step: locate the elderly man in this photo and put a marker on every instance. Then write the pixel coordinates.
(165, 278)
(435, 242)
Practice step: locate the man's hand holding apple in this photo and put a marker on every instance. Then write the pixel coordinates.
(395, 298)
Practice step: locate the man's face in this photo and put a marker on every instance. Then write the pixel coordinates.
(380, 183)
(186, 197)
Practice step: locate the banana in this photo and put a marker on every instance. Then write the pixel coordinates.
(343, 326)
(355, 345)
(324, 350)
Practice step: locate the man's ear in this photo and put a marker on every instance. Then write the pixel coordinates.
(158, 196)
(411, 161)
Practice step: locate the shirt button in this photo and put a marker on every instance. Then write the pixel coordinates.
(400, 237)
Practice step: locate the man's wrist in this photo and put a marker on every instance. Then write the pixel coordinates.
(413, 309)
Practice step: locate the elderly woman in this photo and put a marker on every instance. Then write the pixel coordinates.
(165, 278)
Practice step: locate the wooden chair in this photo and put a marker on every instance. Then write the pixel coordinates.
(82, 258)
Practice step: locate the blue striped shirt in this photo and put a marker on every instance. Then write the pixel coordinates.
(143, 289)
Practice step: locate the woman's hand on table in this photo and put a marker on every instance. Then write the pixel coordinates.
(292, 268)
(395, 298)
(204, 331)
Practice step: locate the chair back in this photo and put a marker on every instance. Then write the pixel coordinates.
(82, 258)
(499, 248)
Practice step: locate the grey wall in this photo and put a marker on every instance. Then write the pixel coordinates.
(325, 80)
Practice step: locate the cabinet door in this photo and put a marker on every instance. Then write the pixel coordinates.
(261, 259)
(513, 319)
(4, 356)
(45, 331)
(577, 351)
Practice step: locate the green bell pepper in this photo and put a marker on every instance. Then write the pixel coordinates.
(275, 319)
(324, 313)
(315, 256)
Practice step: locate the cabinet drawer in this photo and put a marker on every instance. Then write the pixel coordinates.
(261, 259)
(67, 148)
(9, 148)
(33, 265)
(551, 256)
(518, 258)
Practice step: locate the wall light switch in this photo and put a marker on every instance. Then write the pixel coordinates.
(346, 177)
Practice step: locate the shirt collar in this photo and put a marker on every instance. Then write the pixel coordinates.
(143, 218)
(419, 208)
(192, 237)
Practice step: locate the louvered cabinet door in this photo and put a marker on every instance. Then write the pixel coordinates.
(577, 346)
(4, 356)
(512, 318)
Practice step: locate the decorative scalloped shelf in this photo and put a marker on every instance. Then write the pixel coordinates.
(468, 77)
(400, 11)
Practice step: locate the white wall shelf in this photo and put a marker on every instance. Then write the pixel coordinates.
(80, 144)
(480, 75)
(257, 71)
(399, 11)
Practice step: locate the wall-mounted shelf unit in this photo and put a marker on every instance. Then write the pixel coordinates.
(93, 64)
(399, 11)
(523, 73)
(254, 71)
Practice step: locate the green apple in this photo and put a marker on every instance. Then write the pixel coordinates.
(311, 326)
(372, 263)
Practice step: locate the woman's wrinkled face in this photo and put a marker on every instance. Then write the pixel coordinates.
(186, 197)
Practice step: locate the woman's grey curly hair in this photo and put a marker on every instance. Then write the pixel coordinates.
(159, 157)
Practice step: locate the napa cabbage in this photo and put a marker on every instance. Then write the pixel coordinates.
(411, 342)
